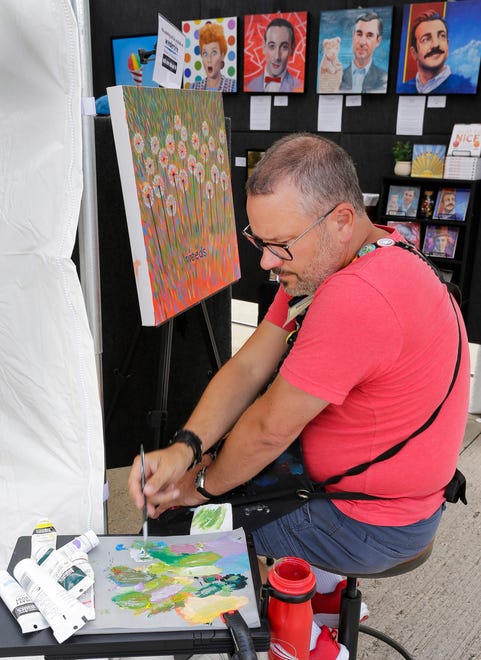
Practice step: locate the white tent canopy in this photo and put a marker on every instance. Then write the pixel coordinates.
(51, 441)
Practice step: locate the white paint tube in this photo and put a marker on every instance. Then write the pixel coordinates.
(88, 597)
(44, 537)
(67, 563)
(63, 612)
(20, 604)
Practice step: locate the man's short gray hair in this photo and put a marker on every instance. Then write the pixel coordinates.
(322, 171)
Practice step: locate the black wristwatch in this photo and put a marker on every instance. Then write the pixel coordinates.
(199, 482)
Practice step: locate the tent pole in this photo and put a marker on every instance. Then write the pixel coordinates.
(88, 236)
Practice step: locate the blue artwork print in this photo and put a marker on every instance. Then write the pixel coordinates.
(134, 59)
(440, 48)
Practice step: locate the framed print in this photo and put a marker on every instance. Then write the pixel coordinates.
(451, 204)
(428, 160)
(410, 231)
(210, 60)
(275, 52)
(353, 52)
(403, 200)
(439, 51)
(440, 241)
(134, 59)
(253, 157)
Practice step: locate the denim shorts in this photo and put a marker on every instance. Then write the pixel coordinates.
(324, 536)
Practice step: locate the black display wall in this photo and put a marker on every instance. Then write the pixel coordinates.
(368, 133)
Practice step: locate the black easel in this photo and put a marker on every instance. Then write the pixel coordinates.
(158, 417)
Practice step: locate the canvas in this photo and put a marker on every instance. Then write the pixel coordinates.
(353, 41)
(174, 166)
(447, 66)
(171, 583)
(290, 66)
(201, 69)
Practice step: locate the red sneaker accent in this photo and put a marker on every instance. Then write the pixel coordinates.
(327, 648)
(326, 607)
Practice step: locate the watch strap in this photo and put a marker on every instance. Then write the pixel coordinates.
(193, 441)
(200, 484)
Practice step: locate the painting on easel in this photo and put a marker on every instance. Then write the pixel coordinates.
(171, 583)
(174, 166)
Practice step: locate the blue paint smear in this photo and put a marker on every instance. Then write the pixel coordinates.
(234, 564)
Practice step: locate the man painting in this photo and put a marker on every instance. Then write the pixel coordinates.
(362, 75)
(429, 47)
(278, 47)
(349, 387)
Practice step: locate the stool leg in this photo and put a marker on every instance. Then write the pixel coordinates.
(349, 617)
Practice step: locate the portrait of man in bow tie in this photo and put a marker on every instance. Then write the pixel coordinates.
(273, 52)
(364, 44)
(362, 76)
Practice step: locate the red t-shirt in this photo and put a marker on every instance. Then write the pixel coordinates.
(379, 342)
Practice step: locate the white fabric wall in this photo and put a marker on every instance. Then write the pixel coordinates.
(51, 441)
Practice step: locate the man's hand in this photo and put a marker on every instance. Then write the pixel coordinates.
(167, 481)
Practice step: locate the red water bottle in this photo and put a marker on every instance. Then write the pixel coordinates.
(291, 585)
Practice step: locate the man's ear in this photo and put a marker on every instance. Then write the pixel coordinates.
(413, 52)
(343, 219)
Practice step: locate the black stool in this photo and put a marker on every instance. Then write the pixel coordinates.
(349, 626)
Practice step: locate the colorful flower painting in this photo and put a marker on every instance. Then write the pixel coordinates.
(172, 583)
(176, 182)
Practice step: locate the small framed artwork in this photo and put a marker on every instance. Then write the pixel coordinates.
(440, 241)
(410, 231)
(403, 200)
(451, 204)
(134, 59)
(210, 59)
(253, 157)
(428, 160)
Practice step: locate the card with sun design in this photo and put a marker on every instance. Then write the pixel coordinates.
(428, 160)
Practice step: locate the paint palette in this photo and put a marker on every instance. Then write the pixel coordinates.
(171, 583)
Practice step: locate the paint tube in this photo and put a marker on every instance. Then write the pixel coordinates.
(88, 597)
(63, 612)
(44, 537)
(76, 551)
(67, 563)
(20, 604)
(84, 542)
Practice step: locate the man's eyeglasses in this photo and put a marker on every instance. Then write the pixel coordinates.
(281, 250)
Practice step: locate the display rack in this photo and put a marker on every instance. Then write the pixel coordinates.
(457, 259)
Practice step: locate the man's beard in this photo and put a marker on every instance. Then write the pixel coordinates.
(310, 279)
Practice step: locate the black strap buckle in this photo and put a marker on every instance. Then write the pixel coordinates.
(456, 488)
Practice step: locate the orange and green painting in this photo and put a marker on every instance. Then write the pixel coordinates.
(171, 582)
(179, 151)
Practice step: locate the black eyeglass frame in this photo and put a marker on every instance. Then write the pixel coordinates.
(261, 245)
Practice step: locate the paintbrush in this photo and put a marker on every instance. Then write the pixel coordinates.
(142, 477)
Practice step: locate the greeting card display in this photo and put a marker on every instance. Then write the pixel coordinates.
(440, 241)
(428, 160)
(410, 231)
(451, 204)
(403, 200)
